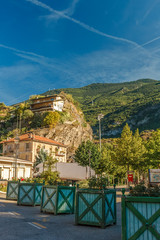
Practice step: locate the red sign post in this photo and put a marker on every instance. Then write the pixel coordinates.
(130, 177)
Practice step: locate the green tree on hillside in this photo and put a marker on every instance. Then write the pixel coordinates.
(28, 114)
(51, 119)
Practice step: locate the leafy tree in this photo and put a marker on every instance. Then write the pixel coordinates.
(51, 119)
(153, 149)
(87, 154)
(37, 120)
(110, 166)
(28, 114)
(41, 158)
(130, 150)
(139, 151)
(51, 177)
(48, 161)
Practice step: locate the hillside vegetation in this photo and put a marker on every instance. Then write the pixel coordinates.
(137, 103)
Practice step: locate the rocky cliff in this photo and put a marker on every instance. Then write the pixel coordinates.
(71, 132)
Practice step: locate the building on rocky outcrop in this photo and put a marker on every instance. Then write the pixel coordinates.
(72, 131)
(47, 103)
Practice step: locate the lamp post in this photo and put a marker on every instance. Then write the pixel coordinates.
(100, 116)
(16, 140)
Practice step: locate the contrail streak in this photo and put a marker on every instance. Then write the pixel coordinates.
(20, 51)
(153, 40)
(85, 26)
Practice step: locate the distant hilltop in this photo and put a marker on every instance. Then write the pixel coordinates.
(136, 103)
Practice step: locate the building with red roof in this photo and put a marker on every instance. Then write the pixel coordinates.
(28, 145)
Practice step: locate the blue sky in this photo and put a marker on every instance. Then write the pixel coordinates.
(51, 44)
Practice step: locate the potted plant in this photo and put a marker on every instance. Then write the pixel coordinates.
(141, 213)
(29, 193)
(58, 199)
(12, 189)
(97, 205)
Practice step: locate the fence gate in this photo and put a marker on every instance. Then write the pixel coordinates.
(140, 218)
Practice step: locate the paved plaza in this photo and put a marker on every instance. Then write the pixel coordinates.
(28, 223)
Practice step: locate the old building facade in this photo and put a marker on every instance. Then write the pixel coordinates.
(47, 103)
(8, 166)
(29, 145)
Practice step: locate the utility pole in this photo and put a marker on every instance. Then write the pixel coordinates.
(89, 163)
(16, 140)
(100, 116)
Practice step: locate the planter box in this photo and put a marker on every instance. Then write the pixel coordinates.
(140, 218)
(58, 199)
(96, 207)
(29, 194)
(12, 190)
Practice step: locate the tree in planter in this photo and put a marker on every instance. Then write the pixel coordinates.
(87, 154)
(41, 158)
(49, 162)
(51, 119)
(50, 176)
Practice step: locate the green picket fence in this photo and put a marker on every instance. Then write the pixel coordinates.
(140, 218)
(29, 194)
(58, 199)
(96, 207)
(12, 190)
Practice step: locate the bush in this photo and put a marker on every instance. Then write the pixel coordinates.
(51, 119)
(83, 184)
(99, 182)
(140, 190)
(3, 187)
(51, 178)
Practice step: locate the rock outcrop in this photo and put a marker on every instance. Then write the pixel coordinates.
(71, 132)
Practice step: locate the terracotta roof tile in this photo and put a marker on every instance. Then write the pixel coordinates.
(36, 138)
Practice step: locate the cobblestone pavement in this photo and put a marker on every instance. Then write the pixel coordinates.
(27, 223)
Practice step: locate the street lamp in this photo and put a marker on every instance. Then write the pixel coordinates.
(16, 140)
(100, 116)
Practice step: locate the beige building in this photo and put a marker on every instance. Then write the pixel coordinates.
(48, 103)
(28, 146)
(9, 164)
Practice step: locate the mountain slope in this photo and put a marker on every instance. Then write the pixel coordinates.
(137, 103)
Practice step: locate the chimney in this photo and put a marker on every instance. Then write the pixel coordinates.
(30, 135)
